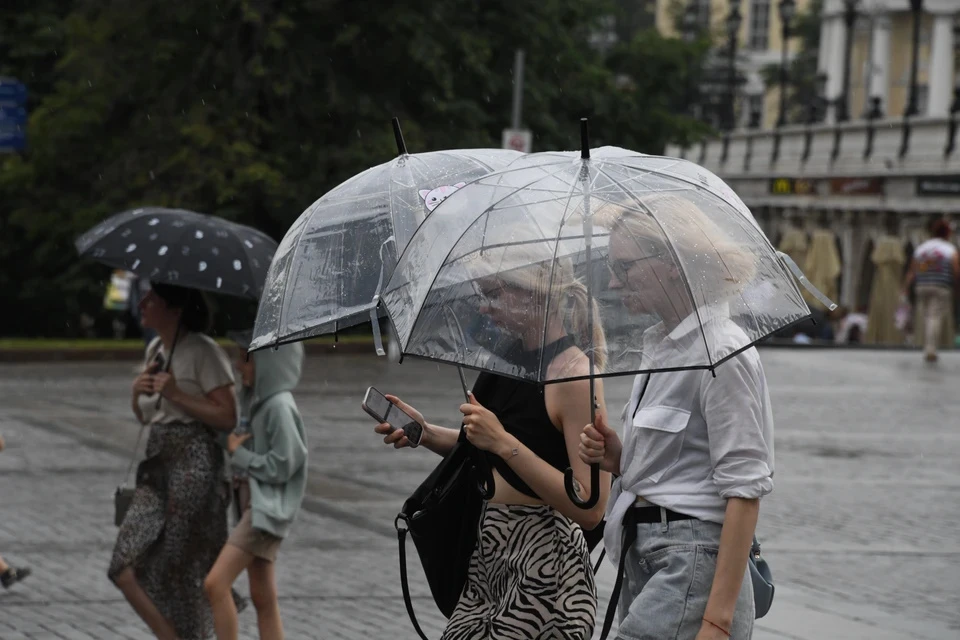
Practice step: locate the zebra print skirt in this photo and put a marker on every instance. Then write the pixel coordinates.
(529, 577)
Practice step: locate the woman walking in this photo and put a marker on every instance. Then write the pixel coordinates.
(697, 453)
(177, 521)
(529, 575)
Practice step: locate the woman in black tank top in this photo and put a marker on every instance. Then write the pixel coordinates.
(530, 574)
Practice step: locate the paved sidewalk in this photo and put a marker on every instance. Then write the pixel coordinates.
(861, 530)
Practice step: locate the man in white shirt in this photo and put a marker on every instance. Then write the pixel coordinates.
(697, 453)
(935, 269)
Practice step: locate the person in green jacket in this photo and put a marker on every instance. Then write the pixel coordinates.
(271, 460)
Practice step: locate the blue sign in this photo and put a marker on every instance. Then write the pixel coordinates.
(12, 140)
(13, 115)
(12, 91)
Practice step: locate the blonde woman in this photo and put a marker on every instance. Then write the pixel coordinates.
(697, 453)
(530, 574)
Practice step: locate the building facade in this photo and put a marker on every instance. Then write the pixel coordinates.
(878, 153)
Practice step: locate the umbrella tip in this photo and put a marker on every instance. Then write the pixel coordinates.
(584, 139)
(398, 136)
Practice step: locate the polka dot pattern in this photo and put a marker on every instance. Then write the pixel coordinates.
(184, 248)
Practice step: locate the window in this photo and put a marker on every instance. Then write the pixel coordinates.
(758, 37)
(702, 8)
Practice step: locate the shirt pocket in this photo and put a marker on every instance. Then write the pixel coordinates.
(659, 439)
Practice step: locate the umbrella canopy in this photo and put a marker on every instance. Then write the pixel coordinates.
(888, 258)
(523, 246)
(183, 248)
(334, 260)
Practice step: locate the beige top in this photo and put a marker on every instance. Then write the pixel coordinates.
(199, 366)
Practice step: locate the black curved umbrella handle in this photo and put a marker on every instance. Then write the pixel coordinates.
(570, 483)
(485, 483)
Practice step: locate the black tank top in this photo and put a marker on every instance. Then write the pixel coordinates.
(522, 410)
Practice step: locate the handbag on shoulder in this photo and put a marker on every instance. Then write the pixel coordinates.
(442, 516)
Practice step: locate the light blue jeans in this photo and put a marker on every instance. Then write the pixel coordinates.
(668, 574)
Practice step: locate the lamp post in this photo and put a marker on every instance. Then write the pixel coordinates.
(849, 20)
(955, 107)
(734, 20)
(816, 111)
(913, 106)
(788, 10)
(690, 28)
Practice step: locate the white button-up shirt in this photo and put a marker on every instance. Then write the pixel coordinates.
(694, 439)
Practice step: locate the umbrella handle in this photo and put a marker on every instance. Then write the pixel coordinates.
(569, 483)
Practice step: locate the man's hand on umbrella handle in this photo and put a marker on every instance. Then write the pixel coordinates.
(601, 444)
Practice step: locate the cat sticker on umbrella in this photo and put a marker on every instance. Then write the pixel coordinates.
(433, 197)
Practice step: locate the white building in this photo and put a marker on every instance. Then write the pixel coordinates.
(863, 174)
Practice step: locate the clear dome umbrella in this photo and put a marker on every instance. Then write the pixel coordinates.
(646, 269)
(331, 264)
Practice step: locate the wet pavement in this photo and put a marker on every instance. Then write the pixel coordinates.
(861, 530)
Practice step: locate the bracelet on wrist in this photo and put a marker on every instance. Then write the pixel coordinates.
(714, 624)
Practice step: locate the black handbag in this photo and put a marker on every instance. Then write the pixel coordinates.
(442, 516)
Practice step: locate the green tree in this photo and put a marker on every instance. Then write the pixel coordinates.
(252, 109)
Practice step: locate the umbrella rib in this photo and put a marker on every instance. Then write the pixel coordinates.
(519, 243)
(457, 241)
(553, 268)
(673, 252)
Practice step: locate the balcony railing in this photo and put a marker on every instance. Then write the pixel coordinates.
(883, 147)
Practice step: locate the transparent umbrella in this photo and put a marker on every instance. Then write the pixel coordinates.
(643, 267)
(331, 264)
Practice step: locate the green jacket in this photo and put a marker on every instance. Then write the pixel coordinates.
(275, 458)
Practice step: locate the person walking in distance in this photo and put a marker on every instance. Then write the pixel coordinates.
(935, 270)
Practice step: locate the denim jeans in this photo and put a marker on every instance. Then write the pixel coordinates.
(668, 574)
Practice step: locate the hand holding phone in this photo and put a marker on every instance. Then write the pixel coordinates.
(395, 416)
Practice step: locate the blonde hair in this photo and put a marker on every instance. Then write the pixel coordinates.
(552, 280)
(723, 267)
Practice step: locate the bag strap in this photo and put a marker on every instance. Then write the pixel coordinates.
(151, 354)
(629, 536)
(408, 603)
(133, 456)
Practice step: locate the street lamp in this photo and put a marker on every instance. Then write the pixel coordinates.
(816, 108)
(788, 9)
(690, 29)
(734, 20)
(913, 106)
(849, 20)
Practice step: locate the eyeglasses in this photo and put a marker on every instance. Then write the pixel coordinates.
(620, 268)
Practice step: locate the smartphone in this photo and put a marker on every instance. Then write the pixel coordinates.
(382, 410)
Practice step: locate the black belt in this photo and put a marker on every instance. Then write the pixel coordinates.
(643, 515)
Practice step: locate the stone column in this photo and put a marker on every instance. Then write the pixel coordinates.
(880, 61)
(941, 65)
(837, 46)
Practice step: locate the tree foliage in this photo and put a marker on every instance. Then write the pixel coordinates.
(252, 109)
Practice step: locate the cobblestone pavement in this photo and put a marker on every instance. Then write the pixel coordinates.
(861, 530)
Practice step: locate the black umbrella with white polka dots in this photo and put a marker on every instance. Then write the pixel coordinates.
(181, 247)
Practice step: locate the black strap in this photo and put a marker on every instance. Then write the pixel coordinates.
(401, 537)
(628, 538)
(596, 567)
